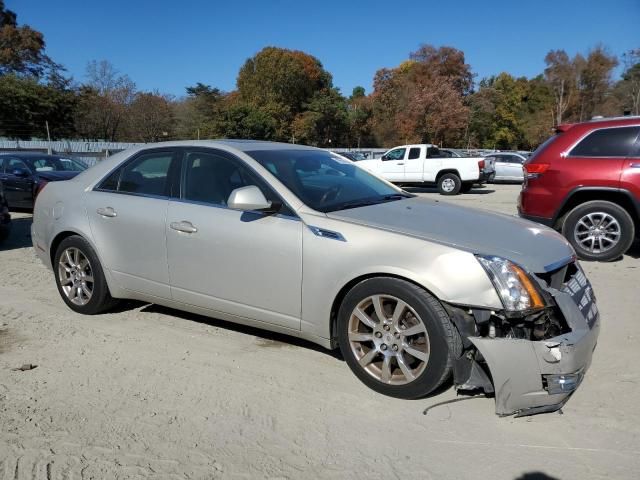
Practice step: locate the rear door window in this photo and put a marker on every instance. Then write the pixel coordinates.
(607, 142)
(414, 153)
(147, 174)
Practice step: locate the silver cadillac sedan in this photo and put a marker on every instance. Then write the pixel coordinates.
(304, 242)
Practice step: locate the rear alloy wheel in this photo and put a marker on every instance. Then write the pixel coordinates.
(397, 338)
(599, 230)
(449, 184)
(80, 278)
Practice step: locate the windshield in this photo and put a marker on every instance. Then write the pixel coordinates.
(55, 164)
(326, 182)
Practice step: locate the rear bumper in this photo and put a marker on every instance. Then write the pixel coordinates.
(486, 177)
(532, 377)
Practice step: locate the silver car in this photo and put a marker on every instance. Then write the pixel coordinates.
(296, 240)
(508, 166)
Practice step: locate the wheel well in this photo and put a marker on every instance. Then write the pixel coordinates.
(442, 172)
(57, 241)
(583, 196)
(337, 302)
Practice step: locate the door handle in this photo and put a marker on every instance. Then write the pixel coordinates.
(635, 165)
(183, 226)
(107, 212)
(400, 163)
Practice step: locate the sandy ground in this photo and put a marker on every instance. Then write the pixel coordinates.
(148, 392)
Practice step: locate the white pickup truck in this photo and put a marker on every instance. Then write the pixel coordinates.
(425, 163)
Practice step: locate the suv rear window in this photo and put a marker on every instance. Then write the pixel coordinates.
(607, 142)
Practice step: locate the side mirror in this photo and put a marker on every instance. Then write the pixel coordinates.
(21, 172)
(248, 198)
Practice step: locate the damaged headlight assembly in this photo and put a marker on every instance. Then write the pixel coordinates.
(513, 285)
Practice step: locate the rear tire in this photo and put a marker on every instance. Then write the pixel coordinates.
(80, 278)
(449, 184)
(599, 230)
(407, 354)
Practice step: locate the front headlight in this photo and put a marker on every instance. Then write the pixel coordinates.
(514, 287)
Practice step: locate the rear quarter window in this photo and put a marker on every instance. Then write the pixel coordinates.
(607, 142)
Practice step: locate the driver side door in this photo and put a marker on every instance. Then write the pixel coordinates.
(393, 165)
(247, 264)
(18, 189)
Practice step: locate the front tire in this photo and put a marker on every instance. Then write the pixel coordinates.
(80, 278)
(599, 230)
(449, 184)
(397, 338)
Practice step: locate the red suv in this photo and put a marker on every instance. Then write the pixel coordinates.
(585, 182)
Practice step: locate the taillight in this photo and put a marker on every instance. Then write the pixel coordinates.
(41, 184)
(481, 164)
(534, 170)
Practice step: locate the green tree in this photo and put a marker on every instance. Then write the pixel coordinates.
(324, 122)
(26, 105)
(280, 82)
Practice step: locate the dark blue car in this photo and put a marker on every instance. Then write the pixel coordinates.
(24, 174)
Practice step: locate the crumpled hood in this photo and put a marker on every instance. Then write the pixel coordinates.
(533, 246)
(53, 176)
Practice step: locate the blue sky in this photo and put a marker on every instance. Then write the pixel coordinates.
(168, 45)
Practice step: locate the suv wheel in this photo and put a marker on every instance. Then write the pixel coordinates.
(396, 338)
(449, 184)
(599, 230)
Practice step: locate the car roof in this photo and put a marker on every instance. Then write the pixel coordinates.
(242, 145)
(20, 154)
(596, 123)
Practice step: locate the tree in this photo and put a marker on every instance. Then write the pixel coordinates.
(628, 89)
(359, 117)
(446, 62)
(26, 105)
(324, 121)
(103, 102)
(22, 48)
(280, 82)
(561, 76)
(150, 117)
(422, 100)
(595, 81)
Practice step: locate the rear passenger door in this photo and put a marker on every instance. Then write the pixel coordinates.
(414, 165)
(600, 155)
(127, 211)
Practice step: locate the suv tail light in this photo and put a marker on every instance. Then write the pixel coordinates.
(534, 170)
(481, 164)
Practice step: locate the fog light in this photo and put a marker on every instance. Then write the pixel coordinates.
(565, 383)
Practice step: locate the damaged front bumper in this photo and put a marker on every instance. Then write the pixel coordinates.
(537, 376)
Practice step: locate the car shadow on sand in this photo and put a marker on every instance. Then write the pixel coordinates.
(264, 338)
(19, 235)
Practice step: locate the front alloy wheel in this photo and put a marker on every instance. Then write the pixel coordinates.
(396, 337)
(393, 349)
